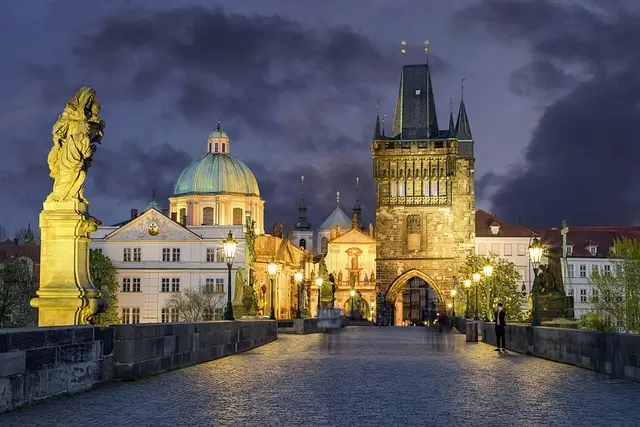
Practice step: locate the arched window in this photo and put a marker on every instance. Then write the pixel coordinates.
(209, 147)
(425, 188)
(207, 216)
(303, 244)
(434, 188)
(324, 244)
(224, 147)
(394, 189)
(183, 215)
(216, 147)
(402, 188)
(237, 216)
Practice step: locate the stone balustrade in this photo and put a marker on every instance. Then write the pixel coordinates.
(38, 363)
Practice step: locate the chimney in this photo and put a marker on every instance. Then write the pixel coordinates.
(174, 216)
(165, 212)
(134, 213)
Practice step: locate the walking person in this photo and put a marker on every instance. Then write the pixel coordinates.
(501, 323)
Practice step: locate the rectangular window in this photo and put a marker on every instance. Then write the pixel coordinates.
(210, 286)
(571, 270)
(220, 286)
(219, 255)
(211, 255)
(175, 254)
(164, 316)
(594, 268)
(126, 284)
(583, 295)
(522, 249)
(495, 248)
(394, 189)
(165, 284)
(482, 249)
(135, 315)
(166, 254)
(401, 189)
(583, 270)
(126, 315)
(175, 284)
(434, 188)
(569, 250)
(594, 295)
(135, 284)
(237, 216)
(173, 315)
(126, 255)
(607, 269)
(507, 249)
(137, 254)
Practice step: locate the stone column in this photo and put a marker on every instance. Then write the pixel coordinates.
(398, 310)
(66, 295)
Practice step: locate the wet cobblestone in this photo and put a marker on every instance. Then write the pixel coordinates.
(356, 377)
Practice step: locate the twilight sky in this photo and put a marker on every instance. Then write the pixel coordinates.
(552, 91)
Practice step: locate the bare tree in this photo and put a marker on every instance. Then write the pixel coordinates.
(196, 304)
(17, 287)
(3, 234)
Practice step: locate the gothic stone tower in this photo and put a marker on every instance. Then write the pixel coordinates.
(425, 200)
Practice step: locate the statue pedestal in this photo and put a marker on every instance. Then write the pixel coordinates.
(552, 306)
(66, 295)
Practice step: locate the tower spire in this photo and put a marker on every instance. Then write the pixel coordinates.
(303, 223)
(452, 127)
(376, 132)
(384, 116)
(357, 207)
(463, 129)
(338, 197)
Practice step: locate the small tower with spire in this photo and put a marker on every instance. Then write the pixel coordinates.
(218, 141)
(357, 207)
(302, 234)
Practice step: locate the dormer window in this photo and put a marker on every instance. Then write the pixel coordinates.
(495, 228)
(418, 92)
(569, 250)
(593, 250)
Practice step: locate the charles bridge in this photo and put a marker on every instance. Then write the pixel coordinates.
(358, 375)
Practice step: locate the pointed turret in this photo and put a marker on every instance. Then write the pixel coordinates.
(303, 223)
(415, 115)
(357, 207)
(376, 132)
(463, 129)
(452, 126)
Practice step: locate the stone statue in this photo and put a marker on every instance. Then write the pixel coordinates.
(250, 245)
(238, 288)
(75, 135)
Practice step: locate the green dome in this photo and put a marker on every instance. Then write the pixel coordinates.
(217, 173)
(218, 133)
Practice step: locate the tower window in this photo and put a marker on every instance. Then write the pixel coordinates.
(209, 147)
(237, 216)
(303, 244)
(216, 146)
(207, 216)
(324, 244)
(224, 147)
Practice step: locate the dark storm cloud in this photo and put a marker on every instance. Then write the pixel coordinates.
(581, 162)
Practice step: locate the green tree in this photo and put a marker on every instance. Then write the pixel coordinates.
(500, 287)
(616, 300)
(105, 278)
(17, 288)
(196, 304)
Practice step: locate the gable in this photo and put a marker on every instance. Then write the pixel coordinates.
(139, 229)
(354, 236)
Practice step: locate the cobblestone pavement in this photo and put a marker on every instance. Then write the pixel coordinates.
(355, 377)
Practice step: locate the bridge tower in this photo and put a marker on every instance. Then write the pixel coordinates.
(425, 196)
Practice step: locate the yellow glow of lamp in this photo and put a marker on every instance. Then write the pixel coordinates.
(353, 293)
(488, 270)
(298, 277)
(467, 283)
(453, 292)
(449, 305)
(535, 252)
(477, 277)
(318, 282)
(229, 245)
(272, 268)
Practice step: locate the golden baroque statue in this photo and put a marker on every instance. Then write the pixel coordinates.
(75, 135)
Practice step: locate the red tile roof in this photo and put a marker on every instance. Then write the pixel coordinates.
(485, 220)
(581, 237)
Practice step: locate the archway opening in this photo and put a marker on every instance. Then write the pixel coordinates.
(413, 299)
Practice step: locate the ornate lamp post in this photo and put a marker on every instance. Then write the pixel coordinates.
(353, 294)
(488, 272)
(272, 268)
(453, 305)
(467, 285)
(535, 255)
(476, 280)
(298, 277)
(229, 245)
(319, 285)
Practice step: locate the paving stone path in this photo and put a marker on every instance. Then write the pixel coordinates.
(360, 376)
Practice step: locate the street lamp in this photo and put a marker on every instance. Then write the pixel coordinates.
(229, 245)
(449, 306)
(319, 285)
(453, 297)
(298, 277)
(272, 268)
(353, 294)
(467, 285)
(476, 280)
(535, 255)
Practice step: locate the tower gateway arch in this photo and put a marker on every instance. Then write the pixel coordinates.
(425, 202)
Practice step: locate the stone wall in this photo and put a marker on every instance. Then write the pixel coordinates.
(614, 354)
(147, 349)
(298, 326)
(38, 363)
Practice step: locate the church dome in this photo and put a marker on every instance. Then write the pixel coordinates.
(217, 173)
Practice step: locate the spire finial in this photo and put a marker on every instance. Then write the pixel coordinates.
(302, 185)
(426, 50)
(378, 108)
(218, 128)
(403, 43)
(153, 194)
(357, 184)
(462, 89)
(450, 106)
(338, 197)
